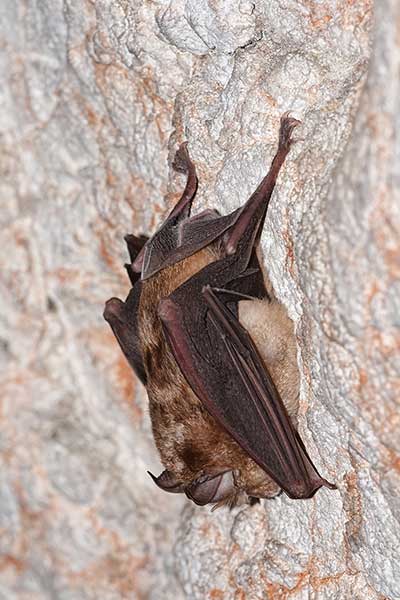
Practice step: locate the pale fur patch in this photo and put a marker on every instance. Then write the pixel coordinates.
(273, 333)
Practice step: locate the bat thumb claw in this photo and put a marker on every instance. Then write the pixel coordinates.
(113, 310)
(288, 124)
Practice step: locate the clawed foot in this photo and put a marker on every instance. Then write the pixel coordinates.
(288, 124)
(182, 162)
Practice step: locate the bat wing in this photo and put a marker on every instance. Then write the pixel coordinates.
(222, 365)
(123, 316)
(177, 240)
(180, 235)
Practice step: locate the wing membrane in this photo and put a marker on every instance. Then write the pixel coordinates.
(226, 372)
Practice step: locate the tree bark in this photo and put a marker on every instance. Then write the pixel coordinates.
(95, 97)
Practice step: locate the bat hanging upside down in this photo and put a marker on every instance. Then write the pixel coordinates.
(204, 333)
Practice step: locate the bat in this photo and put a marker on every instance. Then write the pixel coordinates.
(203, 331)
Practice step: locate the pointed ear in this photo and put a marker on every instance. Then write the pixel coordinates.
(210, 489)
(168, 482)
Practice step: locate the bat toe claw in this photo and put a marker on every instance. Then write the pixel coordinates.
(288, 124)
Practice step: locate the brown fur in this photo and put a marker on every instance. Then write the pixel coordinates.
(189, 440)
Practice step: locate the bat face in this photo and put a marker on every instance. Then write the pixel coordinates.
(216, 351)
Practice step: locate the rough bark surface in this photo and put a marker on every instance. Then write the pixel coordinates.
(95, 95)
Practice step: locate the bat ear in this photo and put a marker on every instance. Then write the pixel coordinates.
(209, 489)
(168, 482)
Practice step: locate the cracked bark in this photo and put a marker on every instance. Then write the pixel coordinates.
(95, 97)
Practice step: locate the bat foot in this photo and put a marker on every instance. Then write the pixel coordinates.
(288, 124)
(182, 162)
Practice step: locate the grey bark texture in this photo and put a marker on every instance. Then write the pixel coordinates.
(95, 96)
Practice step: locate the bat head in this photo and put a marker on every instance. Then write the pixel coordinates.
(210, 489)
(207, 489)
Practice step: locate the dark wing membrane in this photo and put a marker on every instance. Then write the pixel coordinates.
(223, 367)
(123, 320)
(179, 239)
(123, 316)
(180, 235)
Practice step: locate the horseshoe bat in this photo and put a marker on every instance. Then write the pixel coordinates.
(203, 331)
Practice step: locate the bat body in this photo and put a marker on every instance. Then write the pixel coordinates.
(202, 329)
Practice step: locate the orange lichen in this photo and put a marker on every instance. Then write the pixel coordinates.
(109, 259)
(65, 275)
(8, 561)
(363, 380)
(290, 258)
(119, 567)
(391, 459)
(92, 117)
(100, 342)
(216, 594)
(126, 385)
(319, 16)
(374, 289)
(240, 595)
(120, 571)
